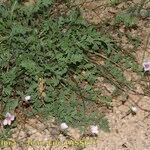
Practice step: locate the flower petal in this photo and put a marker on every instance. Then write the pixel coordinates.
(146, 66)
(12, 117)
(9, 122)
(94, 129)
(27, 98)
(5, 122)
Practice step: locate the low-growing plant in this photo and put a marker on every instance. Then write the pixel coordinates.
(128, 19)
(135, 41)
(50, 58)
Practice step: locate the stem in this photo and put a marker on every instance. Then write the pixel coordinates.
(147, 41)
(13, 8)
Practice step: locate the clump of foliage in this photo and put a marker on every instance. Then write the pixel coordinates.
(50, 58)
(130, 16)
(115, 2)
(128, 19)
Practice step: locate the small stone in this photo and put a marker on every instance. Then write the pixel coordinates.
(63, 126)
(133, 110)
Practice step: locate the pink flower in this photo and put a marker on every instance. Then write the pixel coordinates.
(146, 66)
(8, 119)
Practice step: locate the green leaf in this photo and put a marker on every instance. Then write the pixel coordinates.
(11, 105)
